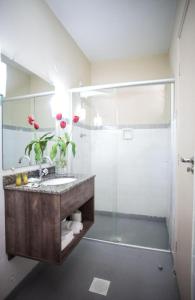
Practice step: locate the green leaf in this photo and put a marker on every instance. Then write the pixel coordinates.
(49, 138)
(73, 148)
(53, 152)
(43, 136)
(28, 148)
(43, 145)
(38, 152)
(40, 145)
(66, 135)
(62, 147)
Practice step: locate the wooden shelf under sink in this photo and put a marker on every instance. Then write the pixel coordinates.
(77, 237)
(33, 221)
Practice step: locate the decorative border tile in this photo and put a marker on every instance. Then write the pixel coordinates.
(114, 127)
(20, 128)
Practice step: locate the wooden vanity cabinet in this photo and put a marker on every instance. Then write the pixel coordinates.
(33, 221)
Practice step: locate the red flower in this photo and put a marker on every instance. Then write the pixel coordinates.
(75, 119)
(31, 120)
(59, 117)
(62, 124)
(36, 125)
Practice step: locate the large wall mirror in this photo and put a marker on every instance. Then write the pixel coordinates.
(26, 94)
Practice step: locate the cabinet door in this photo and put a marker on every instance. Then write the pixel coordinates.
(33, 225)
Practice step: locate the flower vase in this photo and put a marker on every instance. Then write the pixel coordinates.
(61, 167)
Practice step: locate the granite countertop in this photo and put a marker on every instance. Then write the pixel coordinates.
(53, 189)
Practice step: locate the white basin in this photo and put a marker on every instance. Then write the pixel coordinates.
(58, 181)
(33, 180)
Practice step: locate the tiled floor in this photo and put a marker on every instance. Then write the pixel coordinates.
(134, 274)
(130, 230)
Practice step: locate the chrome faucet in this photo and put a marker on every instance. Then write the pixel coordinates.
(47, 158)
(24, 157)
(44, 172)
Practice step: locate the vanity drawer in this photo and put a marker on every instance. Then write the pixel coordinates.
(76, 197)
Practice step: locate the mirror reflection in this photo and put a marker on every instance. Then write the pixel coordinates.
(26, 95)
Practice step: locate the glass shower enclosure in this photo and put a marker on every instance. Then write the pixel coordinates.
(124, 137)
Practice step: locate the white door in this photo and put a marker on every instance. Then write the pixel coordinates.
(193, 248)
(186, 148)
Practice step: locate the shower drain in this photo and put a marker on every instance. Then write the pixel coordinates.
(99, 286)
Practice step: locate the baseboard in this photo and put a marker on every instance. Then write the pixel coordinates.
(131, 216)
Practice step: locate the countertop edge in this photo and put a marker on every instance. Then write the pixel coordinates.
(54, 190)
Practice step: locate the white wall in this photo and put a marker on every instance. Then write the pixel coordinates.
(182, 62)
(193, 248)
(146, 68)
(35, 39)
(32, 36)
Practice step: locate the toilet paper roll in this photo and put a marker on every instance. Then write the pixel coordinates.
(77, 216)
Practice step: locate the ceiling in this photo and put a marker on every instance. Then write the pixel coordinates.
(117, 29)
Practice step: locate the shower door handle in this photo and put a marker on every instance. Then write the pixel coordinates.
(189, 161)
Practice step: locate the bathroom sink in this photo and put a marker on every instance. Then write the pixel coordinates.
(33, 180)
(58, 181)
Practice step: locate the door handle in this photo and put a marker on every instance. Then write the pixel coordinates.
(189, 161)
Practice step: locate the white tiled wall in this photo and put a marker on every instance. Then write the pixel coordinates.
(82, 161)
(132, 176)
(104, 163)
(144, 173)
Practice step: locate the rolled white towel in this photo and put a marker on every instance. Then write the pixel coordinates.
(66, 225)
(65, 233)
(63, 223)
(77, 216)
(65, 242)
(75, 226)
(66, 238)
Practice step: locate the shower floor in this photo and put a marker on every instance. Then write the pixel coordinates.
(132, 230)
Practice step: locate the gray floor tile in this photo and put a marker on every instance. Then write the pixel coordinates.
(129, 230)
(133, 273)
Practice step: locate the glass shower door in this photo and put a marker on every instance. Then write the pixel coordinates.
(144, 165)
(124, 138)
(104, 167)
(96, 140)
